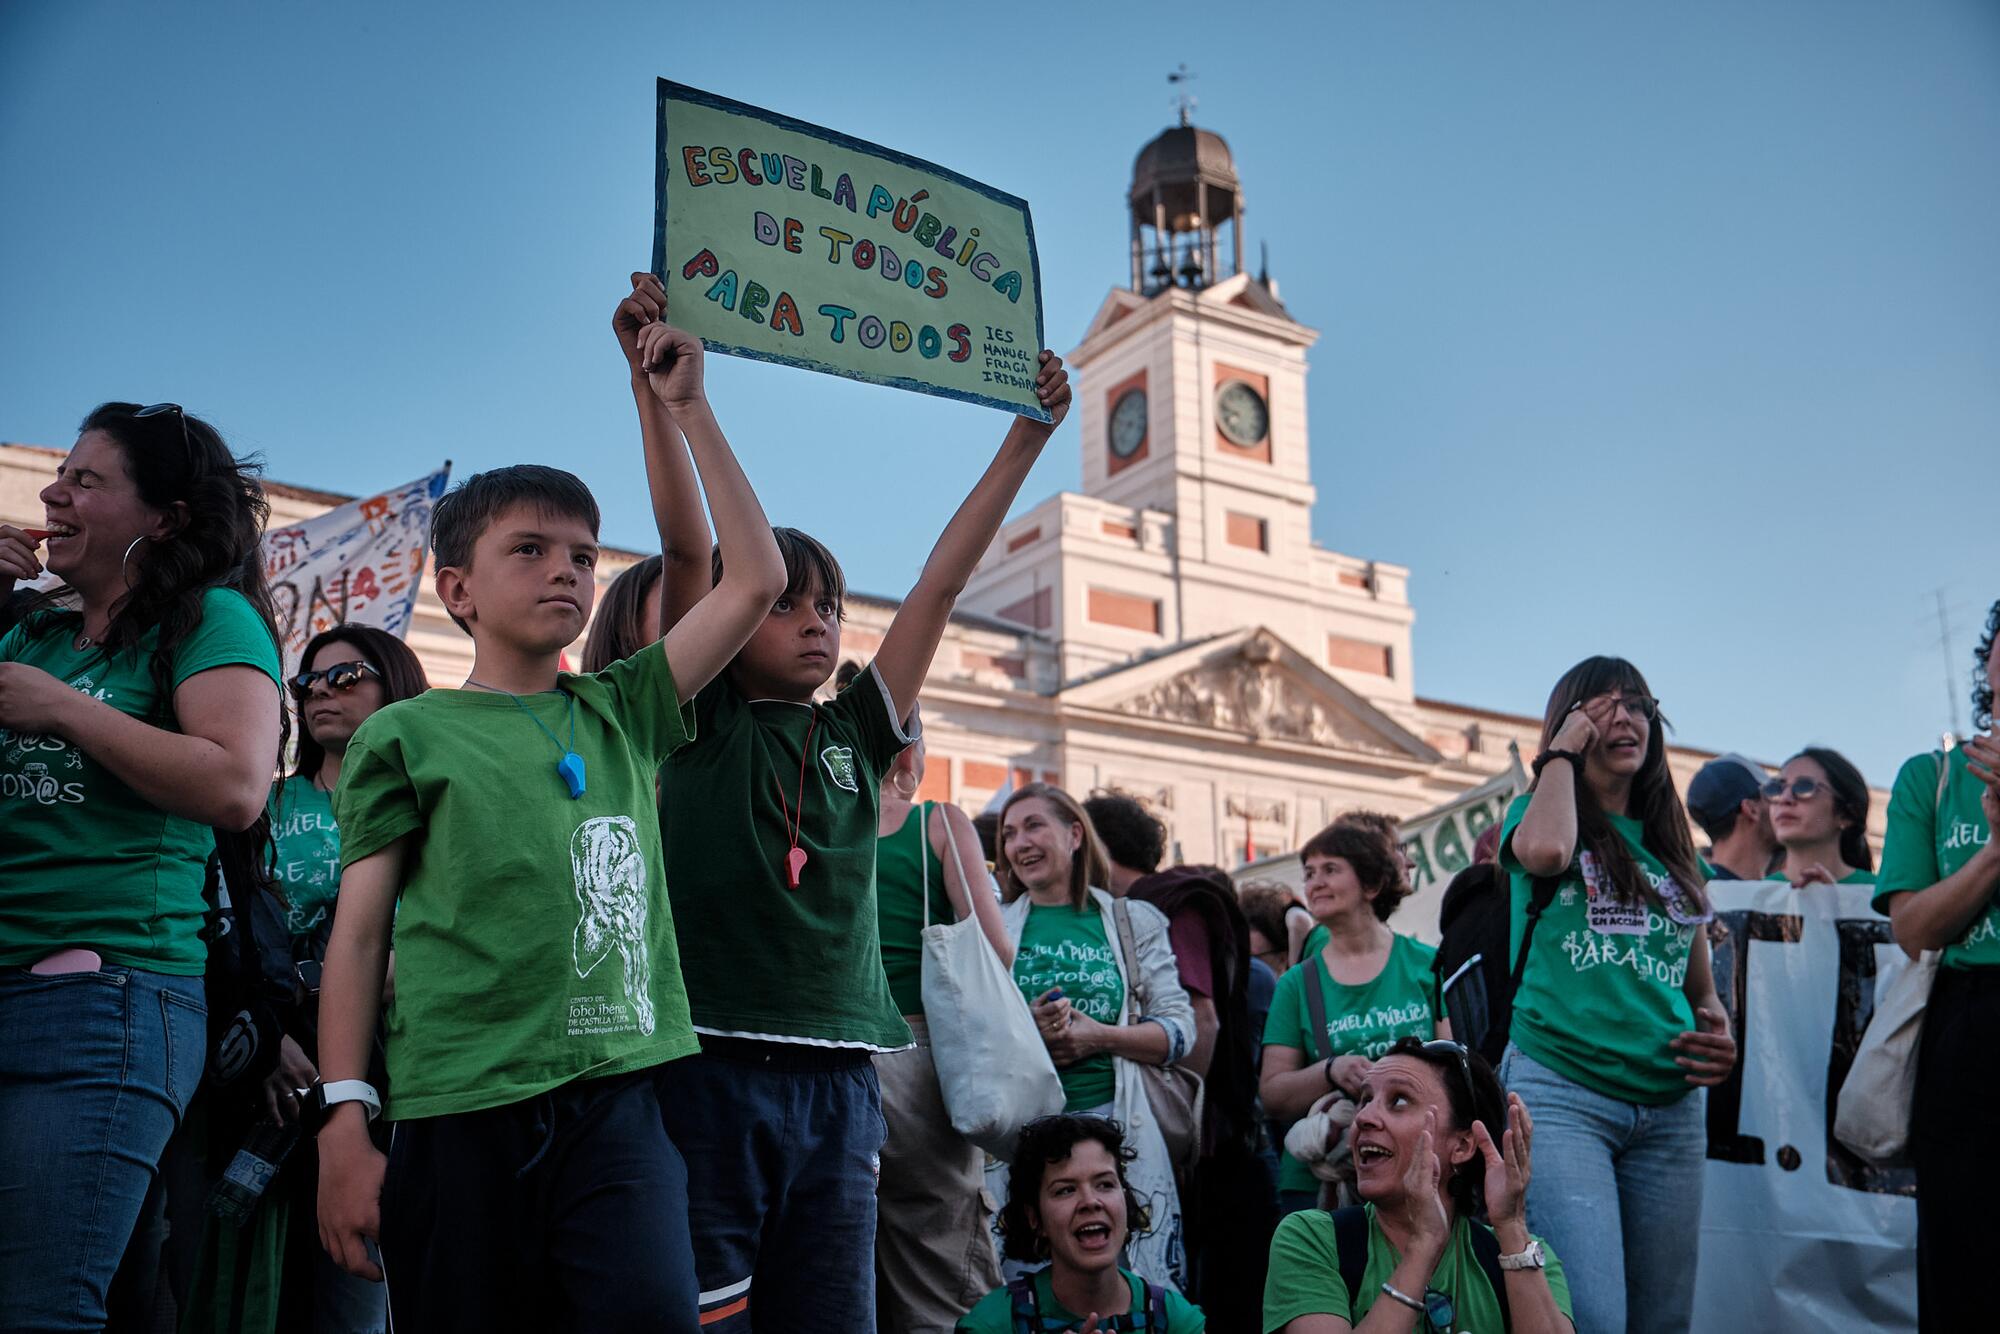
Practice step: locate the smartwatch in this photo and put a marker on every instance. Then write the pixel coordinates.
(1532, 1258)
(323, 1097)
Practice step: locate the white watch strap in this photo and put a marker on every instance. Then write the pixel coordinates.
(1530, 1258)
(352, 1090)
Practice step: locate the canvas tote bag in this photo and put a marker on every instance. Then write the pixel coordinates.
(994, 1072)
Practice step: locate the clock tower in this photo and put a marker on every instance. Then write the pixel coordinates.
(1196, 513)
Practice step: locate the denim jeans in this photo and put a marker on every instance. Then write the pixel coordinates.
(95, 1071)
(1616, 1193)
(783, 1143)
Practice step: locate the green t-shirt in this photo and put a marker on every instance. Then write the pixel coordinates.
(782, 964)
(1066, 947)
(1304, 1275)
(994, 1313)
(904, 861)
(307, 844)
(1601, 998)
(85, 861)
(534, 943)
(1363, 1020)
(1316, 940)
(1928, 840)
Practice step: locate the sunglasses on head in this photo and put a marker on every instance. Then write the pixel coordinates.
(1458, 1050)
(1801, 789)
(180, 415)
(340, 676)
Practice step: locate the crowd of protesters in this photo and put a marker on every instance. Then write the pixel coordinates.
(632, 960)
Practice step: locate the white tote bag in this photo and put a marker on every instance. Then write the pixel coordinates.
(994, 1072)
(1873, 1116)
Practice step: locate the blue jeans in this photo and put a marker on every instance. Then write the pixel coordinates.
(95, 1071)
(783, 1144)
(1616, 1192)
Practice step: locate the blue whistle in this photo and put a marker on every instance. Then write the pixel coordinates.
(570, 769)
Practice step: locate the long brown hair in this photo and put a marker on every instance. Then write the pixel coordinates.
(1655, 803)
(621, 615)
(1088, 866)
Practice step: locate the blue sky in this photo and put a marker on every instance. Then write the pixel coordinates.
(1664, 330)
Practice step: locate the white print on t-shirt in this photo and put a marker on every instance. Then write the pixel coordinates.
(33, 781)
(839, 762)
(1966, 834)
(1605, 912)
(609, 866)
(1087, 973)
(1589, 949)
(1387, 1021)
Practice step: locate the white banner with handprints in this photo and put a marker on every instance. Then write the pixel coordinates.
(1796, 1232)
(361, 563)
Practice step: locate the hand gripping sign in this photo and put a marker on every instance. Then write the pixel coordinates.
(791, 243)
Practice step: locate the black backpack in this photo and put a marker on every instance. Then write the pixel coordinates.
(1475, 982)
(1350, 1240)
(1027, 1308)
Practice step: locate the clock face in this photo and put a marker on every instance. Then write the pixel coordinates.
(1241, 414)
(1128, 423)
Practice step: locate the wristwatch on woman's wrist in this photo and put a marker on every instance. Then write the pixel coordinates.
(322, 1098)
(1532, 1258)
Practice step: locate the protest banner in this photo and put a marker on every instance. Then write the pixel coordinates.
(787, 242)
(1437, 842)
(361, 563)
(1796, 1232)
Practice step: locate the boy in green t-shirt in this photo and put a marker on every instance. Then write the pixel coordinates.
(532, 1183)
(769, 823)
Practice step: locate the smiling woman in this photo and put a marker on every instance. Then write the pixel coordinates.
(139, 727)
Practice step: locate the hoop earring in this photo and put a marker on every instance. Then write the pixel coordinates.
(905, 784)
(122, 560)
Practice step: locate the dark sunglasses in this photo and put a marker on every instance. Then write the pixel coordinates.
(1802, 789)
(1458, 1050)
(180, 415)
(340, 676)
(1439, 1311)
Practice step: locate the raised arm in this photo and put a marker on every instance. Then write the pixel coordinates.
(905, 656)
(216, 770)
(1545, 840)
(684, 537)
(702, 642)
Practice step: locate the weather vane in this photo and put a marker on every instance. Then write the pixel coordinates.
(1183, 100)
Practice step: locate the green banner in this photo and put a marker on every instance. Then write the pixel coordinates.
(787, 242)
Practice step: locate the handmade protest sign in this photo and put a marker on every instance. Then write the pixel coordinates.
(787, 242)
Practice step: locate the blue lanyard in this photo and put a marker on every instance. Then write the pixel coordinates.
(570, 767)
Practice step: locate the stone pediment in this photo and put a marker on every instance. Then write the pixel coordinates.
(1254, 685)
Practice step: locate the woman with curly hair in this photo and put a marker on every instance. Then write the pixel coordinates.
(1940, 871)
(1070, 1209)
(140, 724)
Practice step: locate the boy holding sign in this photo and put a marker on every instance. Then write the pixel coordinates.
(531, 1183)
(769, 823)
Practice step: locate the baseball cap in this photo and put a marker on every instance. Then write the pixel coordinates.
(1722, 785)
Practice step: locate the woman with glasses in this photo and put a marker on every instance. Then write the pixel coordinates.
(1434, 1148)
(1616, 1023)
(271, 1272)
(1071, 1210)
(1347, 1001)
(1103, 1010)
(1819, 811)
(1940, 885)
(140, 723)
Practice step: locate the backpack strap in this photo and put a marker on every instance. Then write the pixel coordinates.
(1155, 1306)
(1350, 1243)
(1316, 1012)
(1538, 902)
(1486, 1250)
(1136, 1000)
(1025, 1304)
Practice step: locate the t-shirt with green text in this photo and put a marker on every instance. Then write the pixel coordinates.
(904, 863)
(1928, 840)
(1600, 998)
(534, 943)
(306, 842)
(86, 862)
(1066, 947)
(1365, 1020)
(1304, 1275)
(994, 1313)
(775, 963)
